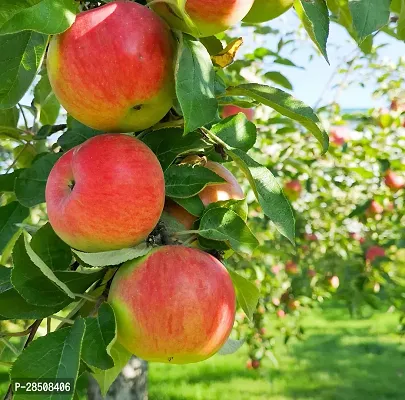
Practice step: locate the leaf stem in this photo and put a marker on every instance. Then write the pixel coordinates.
(181, 233)
(65, 320)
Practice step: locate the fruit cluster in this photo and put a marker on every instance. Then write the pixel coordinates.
(177, 303)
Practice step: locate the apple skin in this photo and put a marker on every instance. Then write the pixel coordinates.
(291, 268)
(223, 191)
(180, 214)
(374, 252)
(374, 208)
(394, 181)
(117, 197)
(266, 10)
(112, 61)
(175, 305)
(293, 189)
(230, 110)
(208, 16)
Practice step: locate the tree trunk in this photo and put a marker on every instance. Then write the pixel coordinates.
(131, 383)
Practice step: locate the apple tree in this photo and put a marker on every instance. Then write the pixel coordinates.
(120, 221)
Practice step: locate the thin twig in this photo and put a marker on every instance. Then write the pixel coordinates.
(24, 117)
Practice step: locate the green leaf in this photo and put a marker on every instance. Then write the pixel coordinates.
(225, 225)
(53, 251)
(314, 15)
(212, 44)
(99, 337)
(360, 209)
(170, 143)
(10, 215)
(9, 117)
(247, 293)
(279, 79)
(76, 134)
(30, 185)
(7, 181)
(237, 131)
(186, 181)
(33, 280)
(114, 257)
(195, 84)
(54, 356)
(43, 16)
(105, 378)
(369, 16)
(238, 206)
(193, 205)
(401, 22)
(268, 193)
(286, 105)
(21, 55)
(231, 346)
(46, 102)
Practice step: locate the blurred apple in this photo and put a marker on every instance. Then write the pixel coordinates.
(293, 189)
(280, 313)
(291, 268)
(394, 181)
(374, 252)
(230, 110)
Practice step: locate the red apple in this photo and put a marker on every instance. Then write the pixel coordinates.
(291, 268)
(249, 364)
(175, 305)
(113, 68)
(394, 181)
(281, 313)
(222, 191)
(255, 364)
(105, 194)
(339, 135)
(180, 214)
(230, 110)
(203, 17)
(293, 304)
(311, 237)
(293, 189)
(311, 273)
(266, 10)
(262, 331)
(374, 252)
(374, 208)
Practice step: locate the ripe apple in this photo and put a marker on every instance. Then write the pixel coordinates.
(105, 194)
(113, 68)
(374, 208)
(180, 214)
(262, 331)
(255, 364)
(203, 18)
(266, 10)
(339, 135)
(374, 252)
(293, 189)
(249, 364)
(291, 268)
(281, 313)
(230, 110)
(394, 181)
(334, 282)
(222, 191)
(293, 304)
(175, 305)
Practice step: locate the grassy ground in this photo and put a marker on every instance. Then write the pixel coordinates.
(341, 359)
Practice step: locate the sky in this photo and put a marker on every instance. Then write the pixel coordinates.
(309, 83)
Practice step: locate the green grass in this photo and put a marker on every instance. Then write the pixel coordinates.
(341, 359)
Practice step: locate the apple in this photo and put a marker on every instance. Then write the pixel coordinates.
(255, 364)
(203, 18)
(113, 68)
(249, 364)
(281, 313)
(291, 268)
(293, 304)
(262, 331)
(311, 273)
(358, 237)
(374, 252)
(175, 305)
(334, 282)
(266, 10)
(293, 189)
(374, 209)
(230, 110)
(339, 135)
(223, 191)
(105, 194)
(275, 301)
(180, 214)
(312, 237)
(394, 181)
(261, 310)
